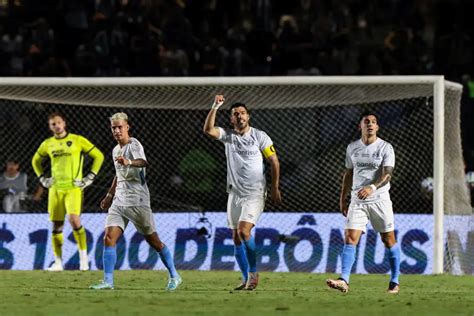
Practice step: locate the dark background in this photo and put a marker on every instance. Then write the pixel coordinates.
(229, 38)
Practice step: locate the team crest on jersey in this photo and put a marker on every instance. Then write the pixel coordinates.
(69, 143)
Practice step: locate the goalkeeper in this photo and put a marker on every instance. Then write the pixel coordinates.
(66, 184)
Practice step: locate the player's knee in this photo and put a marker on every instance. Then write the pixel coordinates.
(244, 234)
(389, 242)
(351, 240)
(109, 240)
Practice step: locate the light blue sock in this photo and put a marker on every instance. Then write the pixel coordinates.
(167, 259)
(348, 258)
(241, 258)
(394, 259)
(110, 258)
(251, 254)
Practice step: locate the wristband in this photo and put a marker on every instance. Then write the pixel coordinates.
(373, 187)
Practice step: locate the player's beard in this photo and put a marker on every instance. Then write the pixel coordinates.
(241, 124)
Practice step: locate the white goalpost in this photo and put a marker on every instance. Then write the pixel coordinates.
(419, 111)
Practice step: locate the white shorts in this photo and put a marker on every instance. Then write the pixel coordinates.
(380, 215)
(244, 209)
(141, 217)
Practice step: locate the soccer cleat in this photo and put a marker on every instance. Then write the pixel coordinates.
(56, 267)
(241, 286)
(173, 283)
(252, 282)
(102, 285)
(339, 284)
(393, 288)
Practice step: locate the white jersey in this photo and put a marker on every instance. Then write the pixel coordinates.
(131, 189)
(245, 169)
(367, 162)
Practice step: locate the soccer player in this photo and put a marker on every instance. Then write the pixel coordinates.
(245, 148)
(369, 167)
(128, 199)
(66, 184)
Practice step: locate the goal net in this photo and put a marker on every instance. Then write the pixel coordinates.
(311, 121)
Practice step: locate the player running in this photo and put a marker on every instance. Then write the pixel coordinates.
(128, 200)
(369, 167)
(245, 148)
(66, 184)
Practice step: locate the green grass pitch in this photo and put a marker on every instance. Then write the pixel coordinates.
(210, 293)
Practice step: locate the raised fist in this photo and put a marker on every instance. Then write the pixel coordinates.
(218, 101)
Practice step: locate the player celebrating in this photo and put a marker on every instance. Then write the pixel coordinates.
(128, 199)
(245, 148)
(369, 167)
(66, 184)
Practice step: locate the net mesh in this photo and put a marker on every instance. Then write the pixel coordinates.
(311, 125)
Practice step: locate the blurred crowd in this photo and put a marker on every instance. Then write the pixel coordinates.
(235, 38)
(242, 38)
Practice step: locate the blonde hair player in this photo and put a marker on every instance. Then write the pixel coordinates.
(128, 200)
(245, 148)
(66, 184)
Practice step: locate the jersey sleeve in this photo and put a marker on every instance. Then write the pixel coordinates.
(85, 144)
(38, 157)
(389, 156)
(349, 164)
(137, 150)
(224, 135)
(266, 145)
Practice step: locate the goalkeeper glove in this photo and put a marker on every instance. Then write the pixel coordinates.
(46, 182)
(217, 103)
(85, 182)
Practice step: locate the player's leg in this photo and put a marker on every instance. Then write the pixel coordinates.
(252, 208)
(165, 255)
(73, 203)
(357, 220)
(115, 225)
(57, 213)
(233, 214)
(144, 221)
(112, 234)
(382, 220)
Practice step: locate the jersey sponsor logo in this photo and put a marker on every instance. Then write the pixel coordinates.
(246, 152)
(367, 164)
(60, 153)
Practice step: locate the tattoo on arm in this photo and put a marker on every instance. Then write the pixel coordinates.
(385, 178)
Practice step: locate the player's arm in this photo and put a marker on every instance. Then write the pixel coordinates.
(384, 178)
(270, 154)
(38, 168)
(107, 200)
(345, 190)
(137, 163)
(209, 125)
(98, 159)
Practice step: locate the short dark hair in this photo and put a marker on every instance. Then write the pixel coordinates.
(237, 105)
(13, 160)
(367, 113)
(54, 114)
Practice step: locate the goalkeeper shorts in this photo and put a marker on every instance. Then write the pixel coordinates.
(62, 202)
